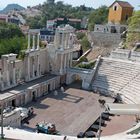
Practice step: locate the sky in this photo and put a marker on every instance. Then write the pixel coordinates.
(89, 3)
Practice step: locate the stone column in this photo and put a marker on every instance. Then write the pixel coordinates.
(66, 41)
(58, 41)
(14, 73)
(1, 80)
(28, 69)
(38, 74)
(61, 64)
(29, 41)
(65, 61)
(33, 47)
(38, 38)
(62, 42)
(7, 76)
(33, 70)
(70, 40)
(70, 59)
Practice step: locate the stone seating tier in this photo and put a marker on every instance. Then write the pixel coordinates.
(118, 76)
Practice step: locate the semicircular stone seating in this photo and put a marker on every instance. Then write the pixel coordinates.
(118, 76)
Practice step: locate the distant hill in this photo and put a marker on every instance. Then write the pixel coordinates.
(11, 7)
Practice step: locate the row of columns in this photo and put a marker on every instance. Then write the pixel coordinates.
(34, 45)
(10, 75)
(12, 63)
(65, 61)
(33, 65)
(64, 40)
(33, 61)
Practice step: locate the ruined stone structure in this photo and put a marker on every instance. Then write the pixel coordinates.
(118, 76)
(110, 34)
(41, 70)
(62, 50)
(126, 54)
(110, 28)
(12, 119)
(107, 35)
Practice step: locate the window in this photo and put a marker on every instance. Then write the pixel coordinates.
(126, 17)
(115, 8)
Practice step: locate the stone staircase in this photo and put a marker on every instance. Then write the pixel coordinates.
(118, 76)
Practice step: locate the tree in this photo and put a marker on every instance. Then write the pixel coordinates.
(98, 16)
(11, 39)
(133, 26)
(9, 31)
(85, 43)
(58, 10)
(80, 35)
(36, 22)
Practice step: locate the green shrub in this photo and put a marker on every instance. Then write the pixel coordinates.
(86, 66)
(83, 59)
(85, 44)
(80, 35)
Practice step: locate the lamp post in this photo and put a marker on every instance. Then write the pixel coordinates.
(102, 104)
(99, 135)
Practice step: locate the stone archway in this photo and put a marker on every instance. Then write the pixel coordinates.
(76, 80)
(84, 75)
(74, 77)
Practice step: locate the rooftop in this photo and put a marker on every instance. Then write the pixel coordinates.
(123, 4)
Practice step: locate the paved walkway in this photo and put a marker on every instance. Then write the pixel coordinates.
(118, 124)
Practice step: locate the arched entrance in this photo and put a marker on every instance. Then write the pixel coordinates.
(83, 76)
(76, 79)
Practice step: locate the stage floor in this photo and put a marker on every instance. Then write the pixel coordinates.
(72, 112)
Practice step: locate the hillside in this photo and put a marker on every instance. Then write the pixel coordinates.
(11, 7)
(133, 35)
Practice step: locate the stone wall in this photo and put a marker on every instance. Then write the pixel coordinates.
(44, 63)
(12, 119)
(121, 54)
(104, 39)
(19, 64)
(126, 54)
(110, 28)
(135, 56)
(86, 75)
